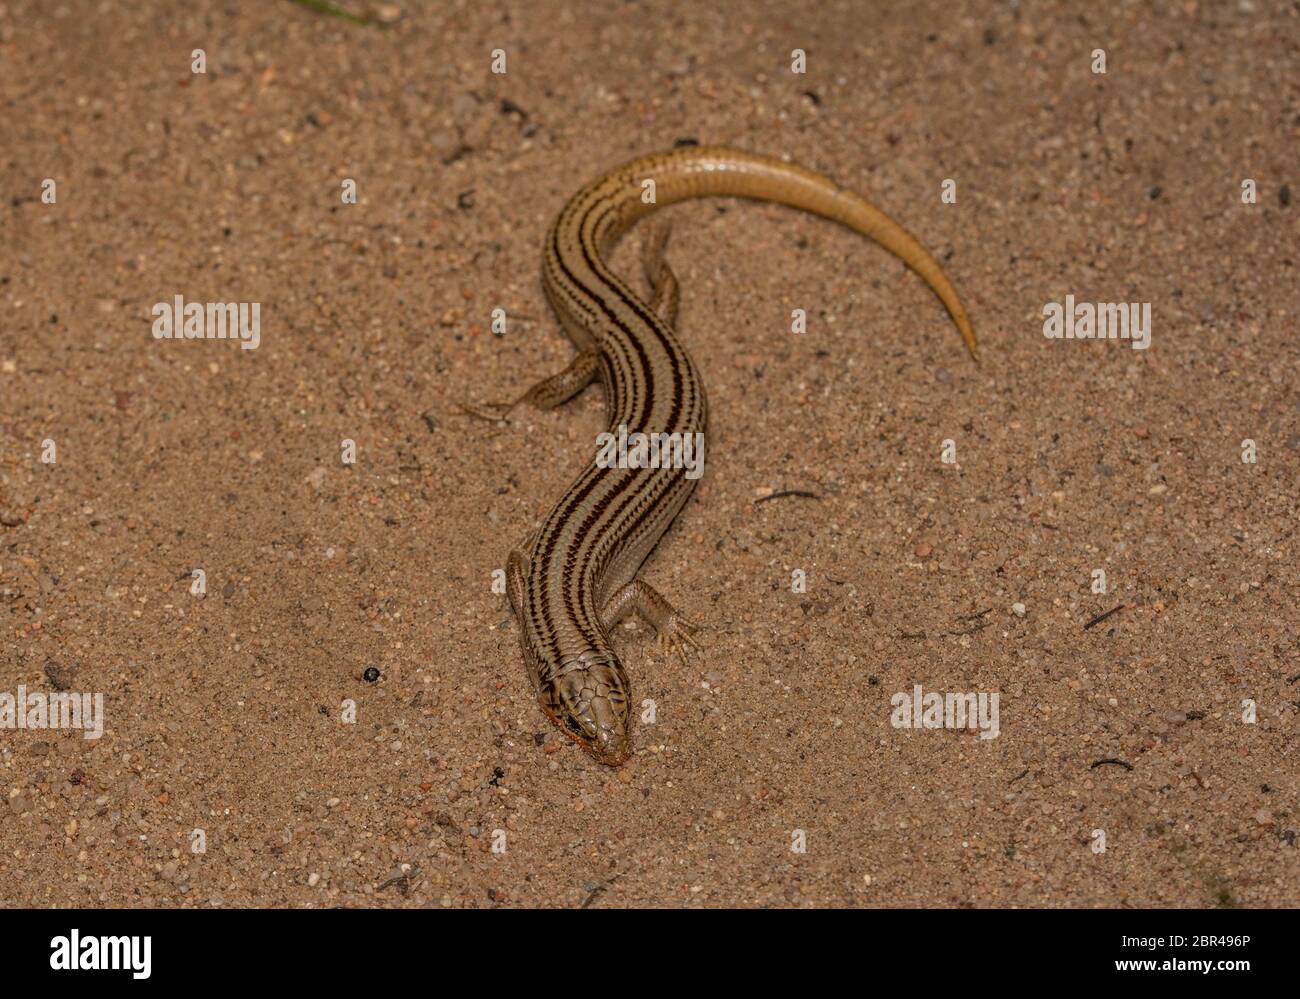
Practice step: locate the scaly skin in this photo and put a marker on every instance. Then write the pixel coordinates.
(577, 576)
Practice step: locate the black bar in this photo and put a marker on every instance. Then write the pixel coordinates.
(928, 948)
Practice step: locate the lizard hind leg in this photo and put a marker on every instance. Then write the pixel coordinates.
(665, 293)
(552, 391)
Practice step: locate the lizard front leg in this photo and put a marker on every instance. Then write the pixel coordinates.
(675, 632)
(550, 392)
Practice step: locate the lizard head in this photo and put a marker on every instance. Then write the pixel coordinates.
(588, 700)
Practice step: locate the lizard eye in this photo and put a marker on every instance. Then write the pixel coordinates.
(573, 726)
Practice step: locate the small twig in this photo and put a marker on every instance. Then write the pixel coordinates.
(804, 493)
(403, 881)
(1018, 776)
(979, 623)
(591, 895)
(324, 7)
(1114, 762)
(1102, 617)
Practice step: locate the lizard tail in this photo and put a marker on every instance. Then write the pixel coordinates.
(701, 171)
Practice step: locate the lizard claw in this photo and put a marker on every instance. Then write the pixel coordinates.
(678, 635)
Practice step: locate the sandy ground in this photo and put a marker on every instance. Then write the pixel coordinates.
(224, 711)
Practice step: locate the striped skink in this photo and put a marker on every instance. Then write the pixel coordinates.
(571, 581)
